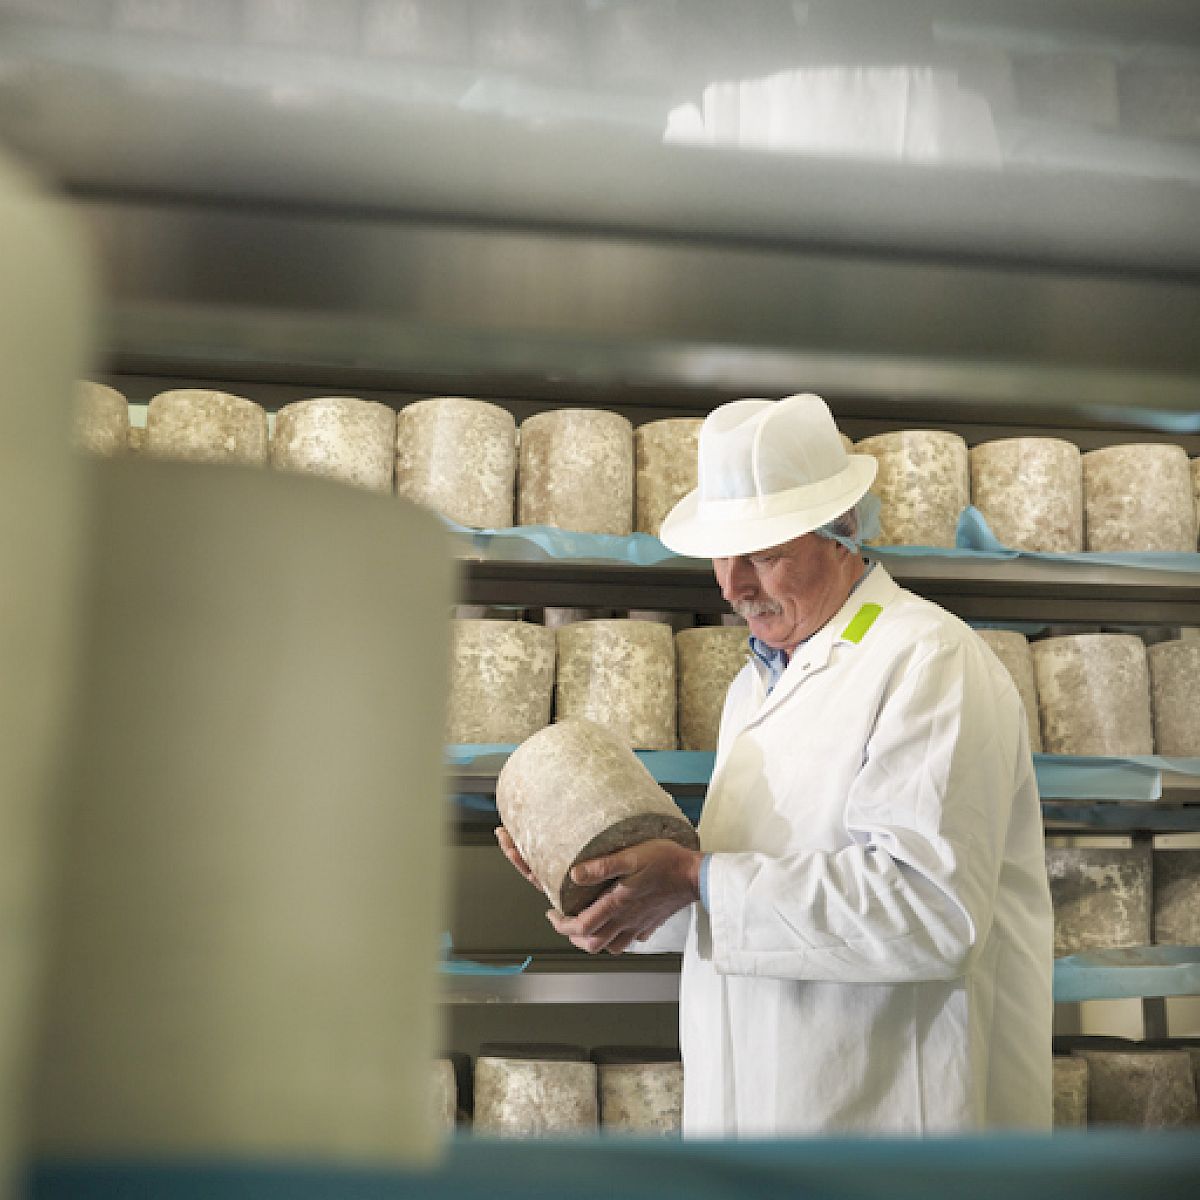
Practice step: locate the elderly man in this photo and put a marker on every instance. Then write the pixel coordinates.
(867, 930)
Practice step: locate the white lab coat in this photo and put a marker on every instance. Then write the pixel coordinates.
(878, 952)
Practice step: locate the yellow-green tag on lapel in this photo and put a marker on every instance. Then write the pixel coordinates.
(861, 622)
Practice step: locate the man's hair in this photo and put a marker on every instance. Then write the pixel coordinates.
(845, 526)
(858, 524)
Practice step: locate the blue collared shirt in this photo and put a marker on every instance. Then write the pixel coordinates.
(775, 662)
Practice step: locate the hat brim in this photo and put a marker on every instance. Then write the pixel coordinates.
(686, 532)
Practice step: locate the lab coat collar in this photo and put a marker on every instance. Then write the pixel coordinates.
(813, 655)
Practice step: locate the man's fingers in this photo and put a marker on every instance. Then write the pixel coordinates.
(514, 856)
(649, 887)
(609, 866)
(611, 937)
(592, 919)
(620, 944)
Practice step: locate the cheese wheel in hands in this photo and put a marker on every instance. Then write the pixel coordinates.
(576, 791)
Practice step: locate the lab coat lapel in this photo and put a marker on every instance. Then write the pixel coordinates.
(814, 655)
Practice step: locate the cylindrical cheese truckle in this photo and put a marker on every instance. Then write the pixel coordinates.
(1175, 697)
(1192, 1047)
(1177, 897)
(1093, 694)
(101, 419)
(707, 659)
(443, 1094)
(244, 964)
(46, 317)
(922, 484)
(1101, 898)
(641, 1089)
(576, 791)
(1012, 649)
(1196, 491)
(1147, 1089)
(665, 457)
(1030, 492)
(337, 437)
(137, 439)
(501, 681)
(577, 471)
(534, 1090)
(620, 674)
(1139, 497)
(459, 457)
(205, 426)
(1070, 1092)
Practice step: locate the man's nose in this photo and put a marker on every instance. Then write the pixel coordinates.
(737, 580)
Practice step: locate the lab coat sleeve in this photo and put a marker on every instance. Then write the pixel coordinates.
(669, 937)
(912, 895)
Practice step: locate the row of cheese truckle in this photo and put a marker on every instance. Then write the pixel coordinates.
(591, 471)
(1119, 898)
(1101, 694)
(1109, 1081)
(543, 1090)
(657, 689)
(527, 1090)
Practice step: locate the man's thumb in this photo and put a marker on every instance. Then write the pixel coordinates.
(597, 870)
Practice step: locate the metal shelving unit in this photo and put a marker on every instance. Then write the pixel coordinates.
(283, 221)
(510, 571)
(1020, 590)
(1128, 975)
(571, 979)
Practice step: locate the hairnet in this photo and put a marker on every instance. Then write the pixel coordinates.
(855, 526)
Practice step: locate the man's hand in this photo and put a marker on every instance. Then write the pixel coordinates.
(514, 855)
(654, 880)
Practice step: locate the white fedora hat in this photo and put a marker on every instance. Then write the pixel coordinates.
(769, 471)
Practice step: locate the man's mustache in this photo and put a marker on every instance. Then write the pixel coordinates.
(756, 608)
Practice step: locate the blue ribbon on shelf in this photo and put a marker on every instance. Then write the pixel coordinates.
(690, 806)
(466, 966)
(1138, 777)
(973, 541)
(546, 541)
(1144, 418)
(1128, 974)
(1060, 777)
(973, 534)
(486, 756)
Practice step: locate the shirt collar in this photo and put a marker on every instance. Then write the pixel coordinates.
(774, 661)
